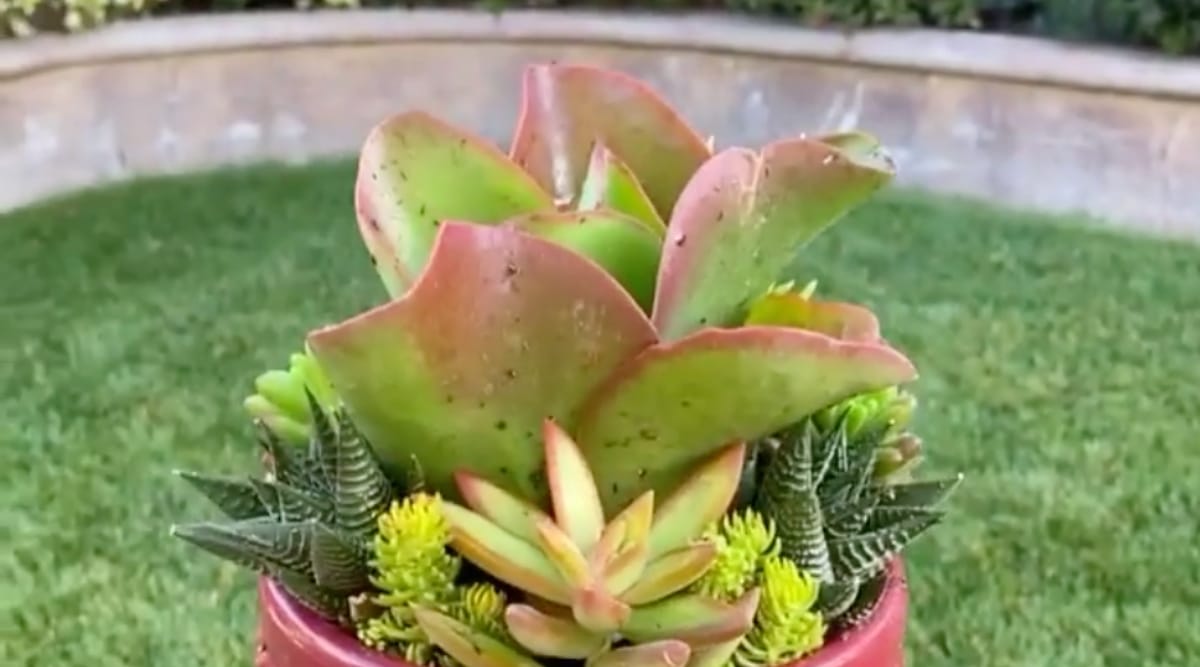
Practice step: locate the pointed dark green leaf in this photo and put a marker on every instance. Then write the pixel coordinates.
(849, 519)
(836, 597)
(264, 544)
(326, 603)
(788, 497)
(920, 494)
(235, 497)
(339, 560)
(886, 517)
(360, 489)
(864, 602)
(864, 555)
(287, 503)
(217, 540)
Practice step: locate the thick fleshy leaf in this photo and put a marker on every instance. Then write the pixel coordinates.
(468, 647)
(416, 171)
(845, 321)
(862, 148)
(501, 507)
(695, 619)
(283, 426)
(563, 553)
(717, 655)
(624, 247)
(503, 330)
(610, 184)
(671, 573)
(503, 555)
(623, 564)
(740, 221)
(698, 501)
(676, 403)
(552, 636)
(577, 509)
(566, 109)
(597, 610)
(665, 653)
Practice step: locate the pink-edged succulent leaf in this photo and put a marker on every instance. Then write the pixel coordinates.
(623, 549)
(514, 515)
(698, 501)
(502, 331)
(671, 573)
(567, 109)
(716, 655)
(577, 508)
(610, 184)
(845, 321)
(624, 247)
(416, 171)
(676, 403)
(663, 653)
(503, 555)
(469, 647)
(598, 611)
(563, 553)
(696, 619)
(740, 221)
(552, 636)
(863, 148)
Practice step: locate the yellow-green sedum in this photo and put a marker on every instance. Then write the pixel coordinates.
(412, 566)
(785, 625)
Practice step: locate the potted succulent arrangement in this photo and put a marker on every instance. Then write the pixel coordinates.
(593, 424)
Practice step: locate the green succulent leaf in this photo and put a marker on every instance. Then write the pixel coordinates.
(919, 494)
(329, 604)
(361, 491)
(661, 653)
(260, 544)
(864, 555)
(286, 503)
(844, 321)
(503, 331)
(469, 647)
(696, 619)
(552, 636)
(675, 403)
(235, 497)
(567, 109)
(416, 171)
(740, 221)
(339, 560)
(788, 496)
(610, 184)
(624, 247)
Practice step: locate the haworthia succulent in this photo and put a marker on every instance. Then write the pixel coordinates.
(236, 497)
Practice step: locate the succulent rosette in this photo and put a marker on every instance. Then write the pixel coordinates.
(587, 360)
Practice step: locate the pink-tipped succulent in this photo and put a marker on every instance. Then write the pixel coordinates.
(593, 581)
(603, 274)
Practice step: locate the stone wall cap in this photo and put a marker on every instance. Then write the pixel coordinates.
(987, 55)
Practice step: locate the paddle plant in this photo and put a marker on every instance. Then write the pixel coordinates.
(593, 420)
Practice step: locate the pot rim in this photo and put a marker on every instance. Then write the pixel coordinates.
(304, 627)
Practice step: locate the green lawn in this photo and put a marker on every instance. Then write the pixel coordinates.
(1060, 371)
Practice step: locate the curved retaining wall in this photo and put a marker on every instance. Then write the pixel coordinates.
(1015, 120)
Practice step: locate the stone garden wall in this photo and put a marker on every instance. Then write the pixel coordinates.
(1025, 122)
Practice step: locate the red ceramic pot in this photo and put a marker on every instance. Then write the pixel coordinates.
(292, 636)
